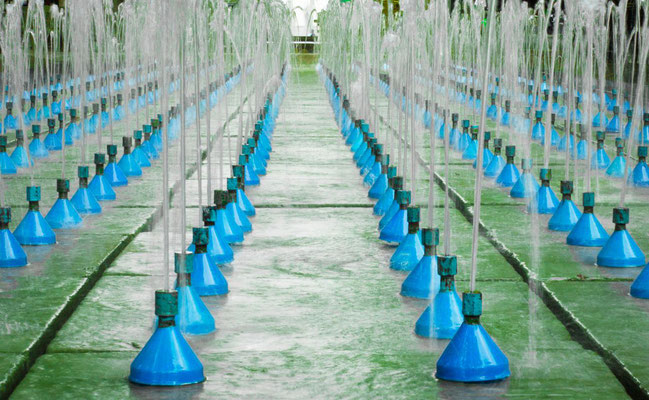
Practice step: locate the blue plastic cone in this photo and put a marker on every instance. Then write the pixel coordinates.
(545, 201)
(193, 316)
(423, 280)
(218, 248)
(408, 253)
(397, 228)
(496, 165)
(640, 286)
(443, 317)
(390, 212)
(99, 185)
(34, 230)
(83, 200)
(19, 156)
(640, 175)
(526, 186)
(166, 359)
(63, 215)
(567, 214)
(37, 148)
(616, 168)
(207, 279)
(620, 250)
(471, 150)
(11, 254)
(509, 174)
(225, 226)
(472, 355)
(113, 173)
(7, 166)
(410, 250)
(379, 187)
(588, 231)
(385, 201)
(243, 201)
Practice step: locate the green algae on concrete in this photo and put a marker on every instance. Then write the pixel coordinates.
(313, 310)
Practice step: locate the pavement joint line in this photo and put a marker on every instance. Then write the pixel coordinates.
(38, 347)
(577, 330)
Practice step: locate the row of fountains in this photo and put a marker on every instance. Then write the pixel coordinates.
(163, 69)
(543, 70)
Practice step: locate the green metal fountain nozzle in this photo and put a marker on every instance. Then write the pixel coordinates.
(472, 306)
(221, 198)
(538, 115)
(475, 129)
(455, 118)
(166, 307)
(137, 135)
(20, 137)
(465, 124)
(566, 189)
(545, 175)
(208, 214)
(447, 265)
(526, 164)
(498, 144)
(642, 153)
(397, 183)
(403, 198)
(83, 173)
(62, 188)
(413, 214)
(392, 172)
(620, 216)
(589, 201)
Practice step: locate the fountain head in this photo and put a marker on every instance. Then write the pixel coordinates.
(166, 359)
(11, 254)
(193, 316)
(588, 231)
(526, 164)
(113, 172)
(455, 117)
(589, 201)
(63, 215)
(620, 250)
(413, 214)
(642, 153)
(566, 189)
(34, 229)
(423, 281)
(538, 115)
(510, 152)
(472, 355)
(83, 174)
(83, 200)
(545, 175)
(545, 201)
(498, 143)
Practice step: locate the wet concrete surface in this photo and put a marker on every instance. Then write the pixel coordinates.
(313, 309)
